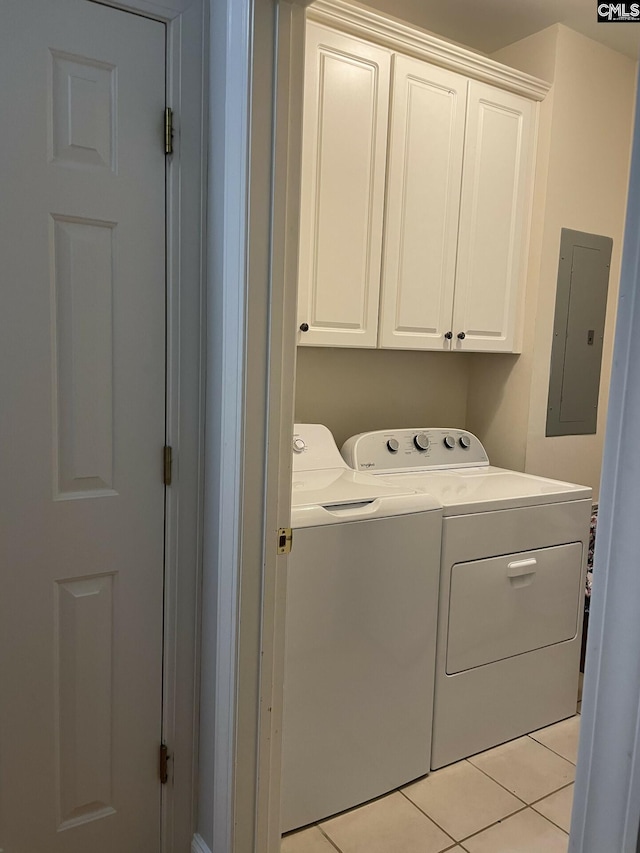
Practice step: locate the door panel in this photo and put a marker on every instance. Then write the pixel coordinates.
(344, 159)
(423, 201)
(506, 606)
(497, 187)
(82, 344)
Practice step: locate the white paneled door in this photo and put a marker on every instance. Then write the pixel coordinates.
(82, 422)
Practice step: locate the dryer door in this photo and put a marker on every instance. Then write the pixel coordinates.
(505, 606)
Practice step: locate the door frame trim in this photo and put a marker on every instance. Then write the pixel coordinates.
(606, 802)
(255, 47)
(186, 24)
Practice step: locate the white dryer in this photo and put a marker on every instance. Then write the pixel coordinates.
(513, 562)
(362, 598)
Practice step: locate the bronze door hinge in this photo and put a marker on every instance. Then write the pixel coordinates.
(167, 465)
(164, 764)
(168, 131)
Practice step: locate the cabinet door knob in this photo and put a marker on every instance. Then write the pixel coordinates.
(448, 335)
(461, 335)
(304, 327)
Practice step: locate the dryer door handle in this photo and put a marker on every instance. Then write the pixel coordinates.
(522, 567)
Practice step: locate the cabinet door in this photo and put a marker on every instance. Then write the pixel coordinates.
(423, 200)
(497, 187)
(346, 95)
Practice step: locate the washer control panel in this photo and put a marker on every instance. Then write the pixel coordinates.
(414, 449)
(421, 441)
(314, 448)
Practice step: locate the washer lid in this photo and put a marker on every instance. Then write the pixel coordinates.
(487, 488)
(325, 490)
(337, 495)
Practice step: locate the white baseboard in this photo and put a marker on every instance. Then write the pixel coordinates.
(198, 845)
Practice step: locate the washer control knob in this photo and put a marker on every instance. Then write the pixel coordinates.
(421, 441)
(465, 442)
(299, 445)
(449, 442)
(393, 445)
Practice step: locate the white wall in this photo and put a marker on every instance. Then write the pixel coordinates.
(588, 177)
(581, 183)
(415, 13)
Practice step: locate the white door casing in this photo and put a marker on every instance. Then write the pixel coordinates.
(83, 424)
(257, 41)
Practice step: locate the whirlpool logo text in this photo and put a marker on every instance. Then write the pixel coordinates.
(618, 12)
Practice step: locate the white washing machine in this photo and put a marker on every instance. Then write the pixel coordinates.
(513, 561)
(362, 598)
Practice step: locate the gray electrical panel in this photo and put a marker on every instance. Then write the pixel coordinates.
(578, 333)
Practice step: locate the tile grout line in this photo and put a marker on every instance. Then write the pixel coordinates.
(546, 817)
(524, 807)
(557, 791)
(504, 788)
(422, 812)
(459, 843)
(564, 785)
(455, 843)
(553, 750)
(452, 846)
(473, 834)
(552, 822)
(495, 823)
(508, 817)
(331, 842)
(449, 847)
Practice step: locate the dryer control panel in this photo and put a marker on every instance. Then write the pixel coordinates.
(423, 448)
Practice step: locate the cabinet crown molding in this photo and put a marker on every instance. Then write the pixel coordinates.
(395, 35)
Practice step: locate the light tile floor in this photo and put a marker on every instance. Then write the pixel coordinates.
(515, 798)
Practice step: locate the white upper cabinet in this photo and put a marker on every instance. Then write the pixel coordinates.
(416, 189)
(346, 93)
(497, 187)
(426, 140)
